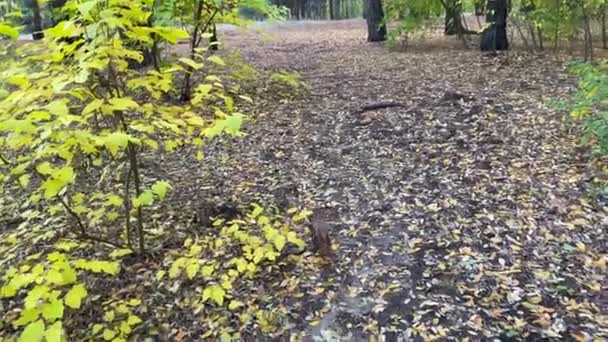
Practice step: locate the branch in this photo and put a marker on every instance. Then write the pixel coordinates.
(379, 105)
(206, 27)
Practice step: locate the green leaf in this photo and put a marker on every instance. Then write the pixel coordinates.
(207, 270)
(234, 304)
(27, 316)
(74, 297)
(58, 107)
(176, 267)
(97, 328)
(24, 180)
(160, 188)
(108, 334)
(53, 310)
(189, 62)
(125, 329)
(146, 198)
(124, 103)
(55, 332)
(133, 320)
(92, 106)
(279, 242)
(66, 245)
(119, 253)
(301, 215)
(45, 168)
(216, 59)
(8, 31)
(113, 200)
(134, 302)
(293, 238)
(33, 332)
(171, 34)
(216, 293)
(109, 316)
(257, 210)
(192, 269)
(232, 124)
(116, 141)
(58, 179)
(98, 266)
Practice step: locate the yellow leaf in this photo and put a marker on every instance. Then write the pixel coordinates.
(92, 106)
(109, 316)
(34, 332)
(55, 332)
(192, 64)
(74, 297)
(124, 103)
(24, 180)
(192, 269)
(581, 247)
(97, 328)
(216, 59)
(133, 320)
(108, 334)
(234, 304)
(214, 292)
(8, 31)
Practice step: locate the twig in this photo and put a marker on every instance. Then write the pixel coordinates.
(379, 105)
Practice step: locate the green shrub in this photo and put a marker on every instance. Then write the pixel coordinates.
(590, 105)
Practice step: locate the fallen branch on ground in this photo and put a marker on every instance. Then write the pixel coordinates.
(379, 105)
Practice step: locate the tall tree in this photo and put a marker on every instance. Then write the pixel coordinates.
(494, 37)
(453, 17)
(376, 27)
(36, 19)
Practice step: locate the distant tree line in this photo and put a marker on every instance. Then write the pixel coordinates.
(322, 9)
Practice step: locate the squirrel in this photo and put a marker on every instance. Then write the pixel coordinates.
(321, 243)
(319, 228)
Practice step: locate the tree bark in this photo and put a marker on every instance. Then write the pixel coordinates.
(588, 35)
(213, 41)
(36, 20)
(376, 28)
(494, 37)
(604, 38)
(453, 16)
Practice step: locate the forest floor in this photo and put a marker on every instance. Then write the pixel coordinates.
(463, 212)
(467, 210)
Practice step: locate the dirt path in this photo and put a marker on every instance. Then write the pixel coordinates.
(461, 213)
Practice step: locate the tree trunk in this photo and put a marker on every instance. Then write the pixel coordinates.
(213, 42)
(541, 44)
(604, 38)
(331, 10)
(302, 14)
(494, 37)
(588, 35)
(36, 20)
(376, 28)
(453, 17)
(479, 8)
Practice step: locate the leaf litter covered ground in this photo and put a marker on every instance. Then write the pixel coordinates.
(462, 211)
